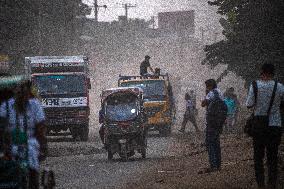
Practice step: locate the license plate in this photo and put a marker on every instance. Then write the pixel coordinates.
(50, 102)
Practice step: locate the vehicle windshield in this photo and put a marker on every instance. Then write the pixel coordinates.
(121, 107)
(152, 90)
(60, 84)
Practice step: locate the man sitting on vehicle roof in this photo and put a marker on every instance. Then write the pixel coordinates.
(144, 65)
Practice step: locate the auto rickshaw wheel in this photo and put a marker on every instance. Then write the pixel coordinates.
(109, 155)
(124, 157)
(144, 147)
(123, 153)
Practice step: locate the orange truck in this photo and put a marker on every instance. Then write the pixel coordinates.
(158, 100)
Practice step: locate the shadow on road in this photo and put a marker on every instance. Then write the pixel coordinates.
(60, 139)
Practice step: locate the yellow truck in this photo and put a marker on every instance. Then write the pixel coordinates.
(158, 100)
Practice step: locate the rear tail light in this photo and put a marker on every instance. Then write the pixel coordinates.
(82, 113)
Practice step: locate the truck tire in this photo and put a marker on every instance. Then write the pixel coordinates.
(165, 130)
(109, 155)
(75, 133)
(143, 152)
(84, 133)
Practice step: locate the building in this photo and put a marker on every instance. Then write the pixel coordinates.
(179, 22)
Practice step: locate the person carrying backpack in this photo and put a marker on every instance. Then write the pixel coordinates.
(216, 112)
(265, 96)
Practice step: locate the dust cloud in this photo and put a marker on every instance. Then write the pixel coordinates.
(179, 57)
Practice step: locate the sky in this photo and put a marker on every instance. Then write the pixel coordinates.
(144, 8)
(206, 18)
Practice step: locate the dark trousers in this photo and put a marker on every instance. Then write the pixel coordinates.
(213, 147)
(33, 179)
(268, 141)
(191, 118)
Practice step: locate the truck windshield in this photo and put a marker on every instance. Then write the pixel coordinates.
(60, 84)
(152, 90)
(121, 107)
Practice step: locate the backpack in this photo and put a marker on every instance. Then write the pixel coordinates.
(231, 105)
(217, 111)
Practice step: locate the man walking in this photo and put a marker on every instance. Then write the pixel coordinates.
(213, 102)
(189, 114)
(265, 98)
(193, 99)
(145, 65)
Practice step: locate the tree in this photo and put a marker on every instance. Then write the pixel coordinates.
(34, 27)
(254, 31)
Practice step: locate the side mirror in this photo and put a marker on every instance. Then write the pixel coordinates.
(89, 83)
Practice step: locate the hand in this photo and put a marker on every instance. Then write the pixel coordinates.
(207, 91)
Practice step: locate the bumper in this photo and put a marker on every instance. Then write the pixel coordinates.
(50, 122)
(117, 130)
(159, 121)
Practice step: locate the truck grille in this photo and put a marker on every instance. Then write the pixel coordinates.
(53, 113)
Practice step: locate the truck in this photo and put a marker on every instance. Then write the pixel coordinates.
(63, 85)
(158, 100)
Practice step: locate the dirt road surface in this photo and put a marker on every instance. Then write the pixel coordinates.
(171, 163)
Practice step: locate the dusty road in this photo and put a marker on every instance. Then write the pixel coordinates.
(85, 165)
(172, 162)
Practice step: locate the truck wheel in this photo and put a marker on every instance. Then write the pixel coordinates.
(109, 155)
(74, 133)
(165, 130)
(143, 152)
(84, 134)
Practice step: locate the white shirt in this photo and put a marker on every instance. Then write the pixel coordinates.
(264, 93)
(35, 115)
(189, 105)
(210, 96)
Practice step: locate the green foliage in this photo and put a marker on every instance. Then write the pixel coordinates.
(254, 33)
(30, 27)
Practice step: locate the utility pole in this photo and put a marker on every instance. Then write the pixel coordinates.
(40, 28)
(96, 7)
(126, 7)
(202, 35)
(215, 36)
(152, 22)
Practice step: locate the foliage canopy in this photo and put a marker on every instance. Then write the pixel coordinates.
(31, 26)
(254, 31)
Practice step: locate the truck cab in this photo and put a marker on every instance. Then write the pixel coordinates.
(63, 85)
(158, 100)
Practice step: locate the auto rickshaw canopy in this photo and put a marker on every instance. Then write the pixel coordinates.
(134, 90)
